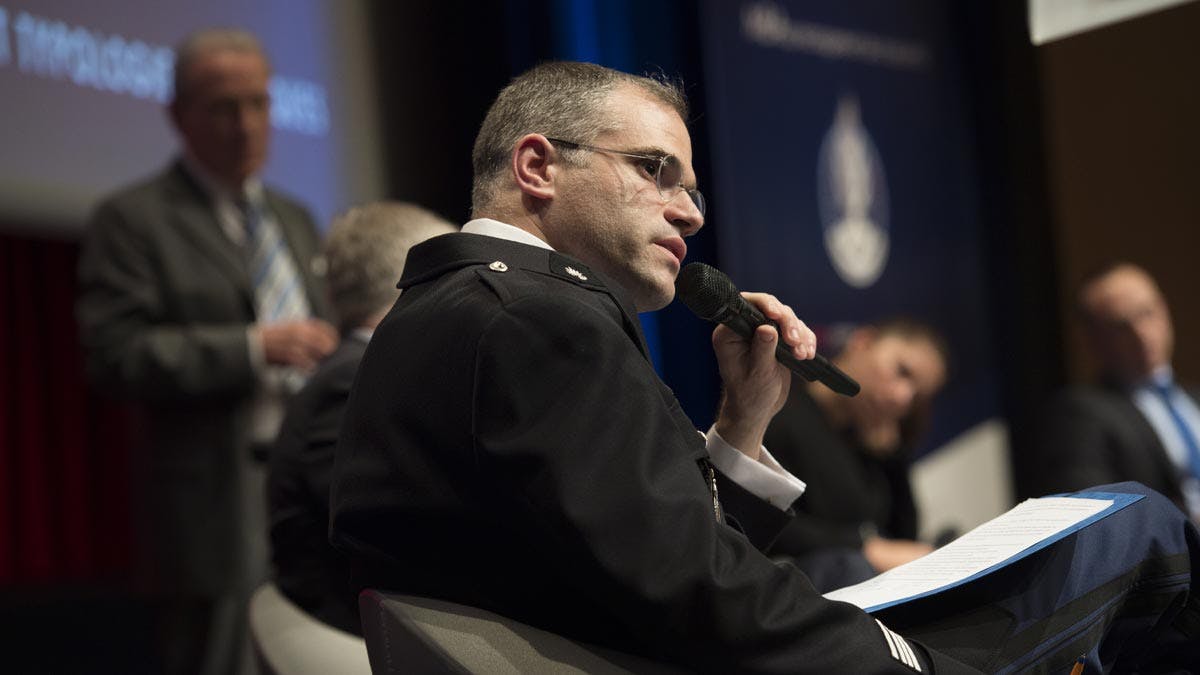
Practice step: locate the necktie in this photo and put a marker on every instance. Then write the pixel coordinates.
(1185, 431)
(278, 292)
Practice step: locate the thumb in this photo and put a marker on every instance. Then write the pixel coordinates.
(762, 351)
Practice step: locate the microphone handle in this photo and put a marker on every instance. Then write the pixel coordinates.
(744, 318)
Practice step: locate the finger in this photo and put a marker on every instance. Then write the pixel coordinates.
(797, 335)
(318, 336)
(766, 303)
(298, 355)
(326, 328)
(762, 349)
(316, 347)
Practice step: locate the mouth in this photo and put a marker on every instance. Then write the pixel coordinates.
(675, 246)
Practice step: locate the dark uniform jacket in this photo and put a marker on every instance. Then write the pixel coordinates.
(508, 445)
(165, 302)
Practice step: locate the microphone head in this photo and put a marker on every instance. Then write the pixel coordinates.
(706, 290)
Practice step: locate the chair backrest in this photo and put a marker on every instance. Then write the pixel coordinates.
(289, 641)
(409, 634)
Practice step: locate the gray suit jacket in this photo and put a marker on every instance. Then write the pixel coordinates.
(165, 302)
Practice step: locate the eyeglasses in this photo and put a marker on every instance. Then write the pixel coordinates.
(666, 170)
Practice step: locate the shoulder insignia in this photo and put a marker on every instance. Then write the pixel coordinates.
(901, 650)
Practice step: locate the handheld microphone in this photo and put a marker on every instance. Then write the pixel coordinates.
(711, 295)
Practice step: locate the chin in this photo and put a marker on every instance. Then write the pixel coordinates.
(651, 297)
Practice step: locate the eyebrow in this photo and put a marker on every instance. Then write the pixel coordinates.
(652, 150)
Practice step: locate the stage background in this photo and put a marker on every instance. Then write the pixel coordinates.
(1008, 170)
(831, 116)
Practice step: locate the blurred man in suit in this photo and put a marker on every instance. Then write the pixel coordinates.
(857, 517)
(202, 297)
(365, 251)
(1137, 423)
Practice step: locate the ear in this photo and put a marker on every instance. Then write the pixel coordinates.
(535, 164)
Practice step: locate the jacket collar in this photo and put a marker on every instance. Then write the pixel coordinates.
(450, 252)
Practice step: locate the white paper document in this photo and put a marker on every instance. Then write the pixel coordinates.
(997, 541)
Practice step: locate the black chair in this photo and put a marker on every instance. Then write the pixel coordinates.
(409, 634)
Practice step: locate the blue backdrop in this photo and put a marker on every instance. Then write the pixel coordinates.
(844, 180)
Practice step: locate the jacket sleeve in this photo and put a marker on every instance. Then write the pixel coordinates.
(134, 345)
(598, 464)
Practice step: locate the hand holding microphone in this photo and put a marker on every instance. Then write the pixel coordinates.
(712, 296)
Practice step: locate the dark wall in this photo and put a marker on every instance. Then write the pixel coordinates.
(1002, 68)
(1121, 106)
(439, 65)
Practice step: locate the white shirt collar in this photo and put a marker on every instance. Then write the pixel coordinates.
(1163, 376)
(495, 228)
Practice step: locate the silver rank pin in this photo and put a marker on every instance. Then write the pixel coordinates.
(576, 273)
(498, 267)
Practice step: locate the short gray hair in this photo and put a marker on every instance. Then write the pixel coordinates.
(365, 251)
(560, 99)
(206, 41)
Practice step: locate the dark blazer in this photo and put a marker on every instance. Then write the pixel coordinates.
(165, 302)
(307, 569)
(507, 445)
(1094, 435)
(849, 489)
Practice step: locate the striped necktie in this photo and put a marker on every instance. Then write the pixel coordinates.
(1166, 392)
(278, 291)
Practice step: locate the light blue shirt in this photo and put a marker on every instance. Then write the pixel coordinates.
(1154, 408)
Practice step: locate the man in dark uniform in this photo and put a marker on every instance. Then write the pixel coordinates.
(508, 445)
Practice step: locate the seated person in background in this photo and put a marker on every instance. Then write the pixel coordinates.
(507, 444)
(853, 454)
(365, 250)
(1136, 423)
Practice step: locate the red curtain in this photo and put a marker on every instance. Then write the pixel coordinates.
(64, 450)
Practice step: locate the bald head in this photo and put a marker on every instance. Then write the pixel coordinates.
(1127, 322)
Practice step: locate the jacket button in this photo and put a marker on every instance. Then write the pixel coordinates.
(498, 267)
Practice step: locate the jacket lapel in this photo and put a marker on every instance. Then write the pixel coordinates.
(194, 218)
(1136, 423)
(295, 229)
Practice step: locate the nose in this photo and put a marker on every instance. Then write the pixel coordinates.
(903, 395)
(683, 214)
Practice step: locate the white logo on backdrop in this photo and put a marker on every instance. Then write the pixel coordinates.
(852, 198)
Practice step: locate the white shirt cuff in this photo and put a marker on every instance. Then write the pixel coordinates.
(764, 479)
